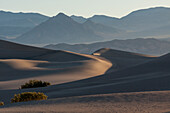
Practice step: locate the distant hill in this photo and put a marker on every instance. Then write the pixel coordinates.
(18, 23)
(145, 46)
(63, 28)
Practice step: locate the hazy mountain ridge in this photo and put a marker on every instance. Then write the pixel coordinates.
(137, 20)
(63, 28)
(17, 19)
(145, 46)
(145, 23)
(19, 23)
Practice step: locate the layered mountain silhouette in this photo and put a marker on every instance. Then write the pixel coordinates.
(148, 23)
(146, 46)
(15, 24)
(145, 23)
(63, 28)
(136, 21)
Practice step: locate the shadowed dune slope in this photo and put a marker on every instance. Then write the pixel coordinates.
(10, 50)
(20, 63)
(111, 53)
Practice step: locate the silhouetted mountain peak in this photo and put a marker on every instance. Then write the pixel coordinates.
(60, 18)
(61, 15)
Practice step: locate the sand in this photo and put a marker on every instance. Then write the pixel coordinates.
(141, 102)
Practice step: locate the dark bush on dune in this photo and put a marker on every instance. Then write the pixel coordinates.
(28, 96)
(35, 84)
(1, 103)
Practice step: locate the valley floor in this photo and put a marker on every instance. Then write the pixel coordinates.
(141, 102)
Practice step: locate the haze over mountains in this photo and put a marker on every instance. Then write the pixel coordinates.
(62, 28)
(152, 23)
(145, 23)
(139, 20)
(145, 46)
(15, 24)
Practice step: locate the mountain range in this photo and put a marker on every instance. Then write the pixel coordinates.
(63, 28)
(145, 46)
(144, 23)
(15, 24)
(139, 20)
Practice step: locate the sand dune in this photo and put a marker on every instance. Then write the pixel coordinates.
(150, 76)
(142, 102)
(27, 63)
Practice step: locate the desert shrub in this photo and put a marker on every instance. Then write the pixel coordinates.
(35, 84)
(1, 103)
(28, 96)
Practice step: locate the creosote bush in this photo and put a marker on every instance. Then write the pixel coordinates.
(35, 84)
(28, 96)
(1, 103)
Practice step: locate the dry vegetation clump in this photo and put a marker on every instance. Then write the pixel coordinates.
(1, 103)
(35, 84)
(28, 96)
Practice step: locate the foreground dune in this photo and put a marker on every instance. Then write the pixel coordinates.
(142, 102)
(15, 72)
(20, 63)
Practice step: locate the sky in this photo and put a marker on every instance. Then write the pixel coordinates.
(86, 8)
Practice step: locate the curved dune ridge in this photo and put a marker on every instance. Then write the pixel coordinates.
(43, 64)
(107, 52)
(122, 59)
